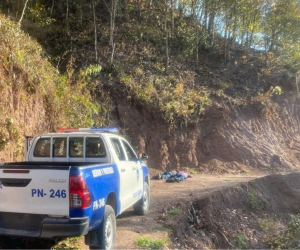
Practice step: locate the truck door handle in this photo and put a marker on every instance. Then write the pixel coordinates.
(133, 168)
(123, 169)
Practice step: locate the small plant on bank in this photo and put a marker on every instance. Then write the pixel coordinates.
(264, 224)
(148, 243)
(162, 228)
(191, 170)
(69, 243)
(174, 212)
(240, 242)
(3, 141)
(252, 198)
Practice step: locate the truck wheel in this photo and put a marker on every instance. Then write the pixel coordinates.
(107, 231)
(142, 206)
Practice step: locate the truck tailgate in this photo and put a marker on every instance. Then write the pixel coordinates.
(34, 190)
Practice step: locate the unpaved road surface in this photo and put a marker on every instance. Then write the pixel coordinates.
(163, 196)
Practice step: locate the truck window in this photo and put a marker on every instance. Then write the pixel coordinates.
(130, 154)
(76, 147)
(95, 147)
(118, 148)
(59, 147)
(42, 148)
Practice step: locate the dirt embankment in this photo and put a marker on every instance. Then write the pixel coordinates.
(230, 138)
(262, 213)
(21, 115)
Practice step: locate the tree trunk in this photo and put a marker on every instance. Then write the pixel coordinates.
(235, 21)
(197, 47)
(211, 28)
(180, 9)
(205, 15)
(23, 12)
(225, 39)
(123, 7)
(172, 18)
(139, 10)
(95, 32)
(113, 11)
(112, 54)
(253, 28)
(17, 9)
(167, 53)
(67, 17)
(167, 38)
(193, 9)
(52, 7)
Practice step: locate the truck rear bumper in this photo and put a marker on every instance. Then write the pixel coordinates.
(63, 227)
(50, 228)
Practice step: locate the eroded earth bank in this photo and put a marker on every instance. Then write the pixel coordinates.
(230, 138)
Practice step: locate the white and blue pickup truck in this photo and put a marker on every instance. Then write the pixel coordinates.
(73, 183)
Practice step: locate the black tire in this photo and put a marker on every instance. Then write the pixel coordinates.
(142, 206)
(107, 232)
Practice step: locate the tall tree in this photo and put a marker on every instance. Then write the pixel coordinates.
(23, 12)
(95, 31)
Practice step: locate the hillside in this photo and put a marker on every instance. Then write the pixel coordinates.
(213, 108)
(205, 86)
(35, 98)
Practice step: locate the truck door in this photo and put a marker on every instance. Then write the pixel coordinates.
(126, 174)
(136, 168)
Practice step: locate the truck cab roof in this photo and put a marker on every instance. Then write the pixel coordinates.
(75, 146)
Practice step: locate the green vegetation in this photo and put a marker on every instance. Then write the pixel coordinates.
(174, 212)
(172, 99)
(148, 243)
(170, 58)
(69, 243)
(191, 170)
(240, 242)
(267, 225)
(264, 224)
(161, 228)
(27, 75)
(253, 199)
(230, 180)
(288, 238)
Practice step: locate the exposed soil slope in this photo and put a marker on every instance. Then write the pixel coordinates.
(230, 138)
(251, 215)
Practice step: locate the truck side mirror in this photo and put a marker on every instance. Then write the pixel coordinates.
(144, 157)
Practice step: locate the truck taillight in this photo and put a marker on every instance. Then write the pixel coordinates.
(80, 196)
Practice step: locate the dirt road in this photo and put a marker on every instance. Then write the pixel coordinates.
(163, 196)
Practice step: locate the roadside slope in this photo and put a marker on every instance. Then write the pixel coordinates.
(35, 98)
(263, 213)
(230, 137)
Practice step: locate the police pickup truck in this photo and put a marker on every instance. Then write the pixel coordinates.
(73, 183)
